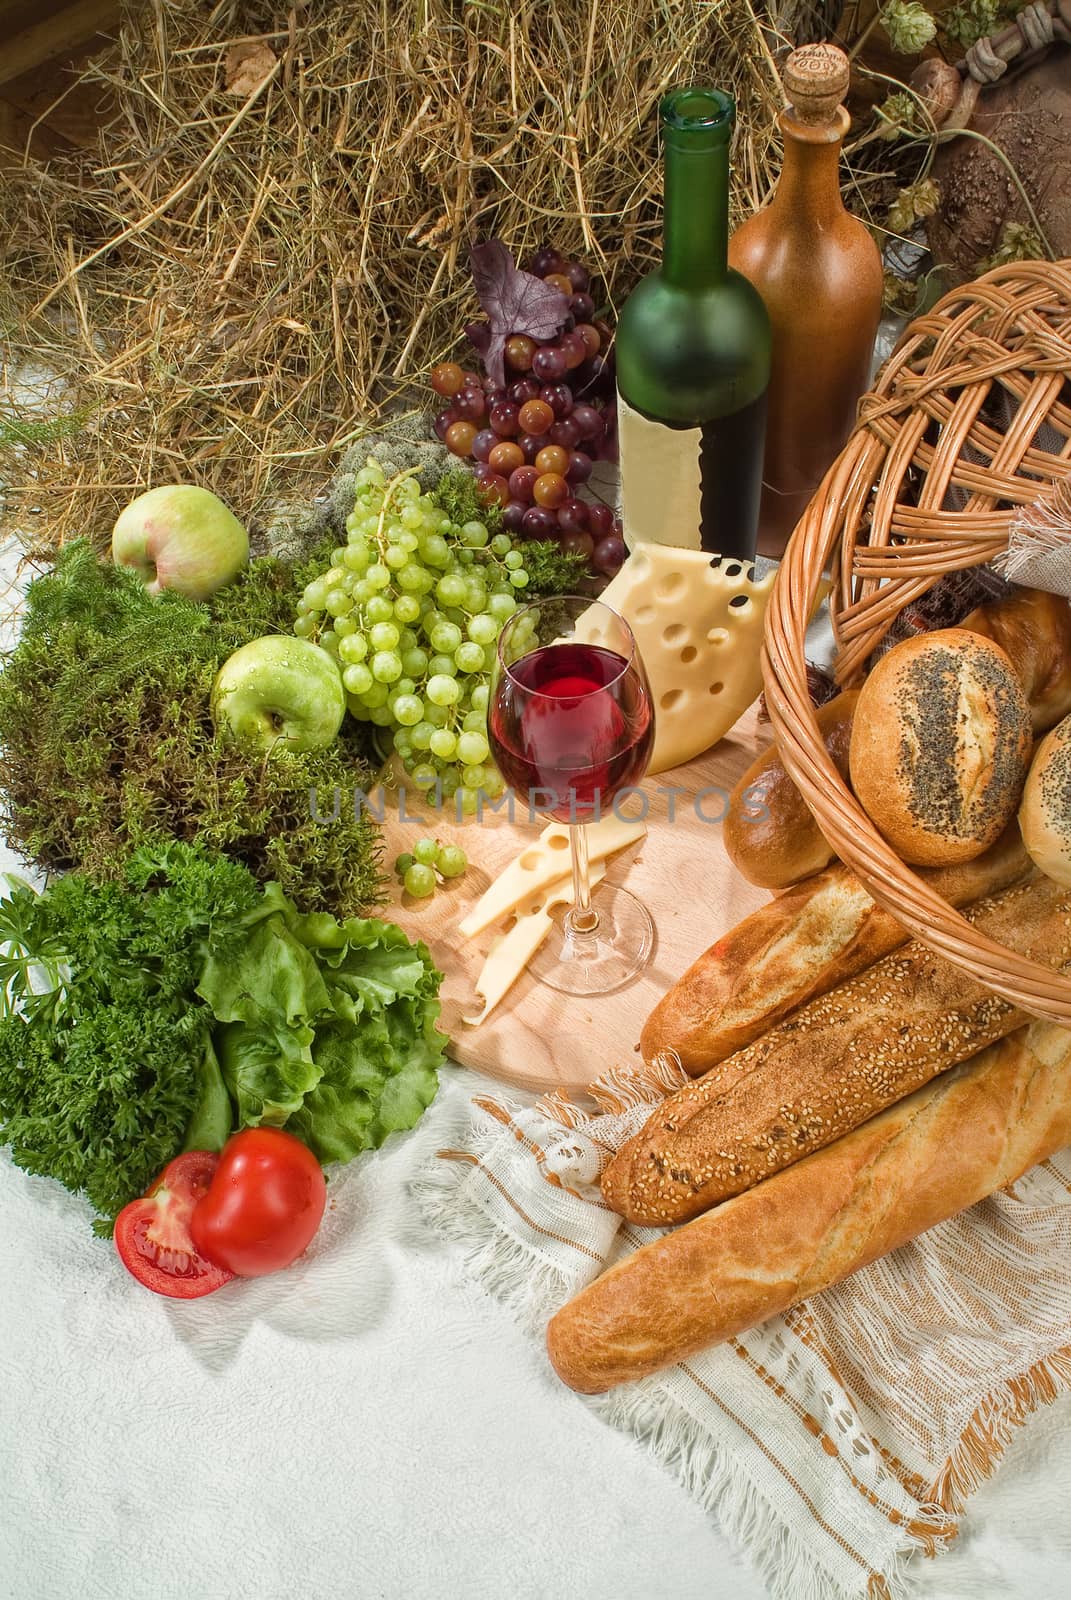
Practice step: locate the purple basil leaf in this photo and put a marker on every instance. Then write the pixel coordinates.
(515, 302)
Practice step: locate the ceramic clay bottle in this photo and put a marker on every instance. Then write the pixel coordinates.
(819, 272)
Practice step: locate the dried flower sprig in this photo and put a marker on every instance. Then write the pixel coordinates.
(899, 117)
(909, 26)
(1018, 242)
(912, 204)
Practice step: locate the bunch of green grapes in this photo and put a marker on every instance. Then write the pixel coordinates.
(411, 609)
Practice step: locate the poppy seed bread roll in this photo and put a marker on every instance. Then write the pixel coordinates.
(1045, 814)
(940, 745)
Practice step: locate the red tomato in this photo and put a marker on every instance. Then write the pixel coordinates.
(152, 1235)
(263, 1205)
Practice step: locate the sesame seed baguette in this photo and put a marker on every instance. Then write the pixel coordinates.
(801, 945)
(971, 1132)
(830, 1067)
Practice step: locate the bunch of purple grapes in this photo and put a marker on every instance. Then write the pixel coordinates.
(534, 442)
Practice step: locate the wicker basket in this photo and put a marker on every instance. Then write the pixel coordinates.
(927, 484)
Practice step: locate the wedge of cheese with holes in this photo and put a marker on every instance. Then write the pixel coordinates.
(510, 955)
(699, 632)
(544, 861)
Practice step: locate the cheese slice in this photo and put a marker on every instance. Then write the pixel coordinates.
(544, 862)
(699, 633)
(511, 954)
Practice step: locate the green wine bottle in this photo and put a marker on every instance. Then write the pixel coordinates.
(693, 356)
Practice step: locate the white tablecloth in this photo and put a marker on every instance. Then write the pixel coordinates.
(366, 1426)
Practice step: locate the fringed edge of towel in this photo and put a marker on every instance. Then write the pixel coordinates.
(633, 1087)
(503, 1266)
(989, 1431)
(528, 1286)
(1038, 530)
(715, 1480)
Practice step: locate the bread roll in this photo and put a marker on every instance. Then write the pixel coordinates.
(1033, 629)
(801, 945)
(769, 835)
(1045, 814)
(830, 1066)
(959, 1139)
(940, 745)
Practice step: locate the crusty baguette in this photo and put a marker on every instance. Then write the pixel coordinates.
(801, 945)
(972, 1131)
(830, 1067)
(769, 835)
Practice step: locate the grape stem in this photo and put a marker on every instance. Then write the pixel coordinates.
(388, 490)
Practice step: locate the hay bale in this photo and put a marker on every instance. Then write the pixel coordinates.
(270, 241)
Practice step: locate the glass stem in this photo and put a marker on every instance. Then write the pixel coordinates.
(581, 918)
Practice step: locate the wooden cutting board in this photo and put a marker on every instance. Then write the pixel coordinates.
(538, 1038)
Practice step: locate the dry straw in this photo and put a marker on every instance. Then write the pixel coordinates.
(270, 240)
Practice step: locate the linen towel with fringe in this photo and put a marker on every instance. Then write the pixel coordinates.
(838, 1442)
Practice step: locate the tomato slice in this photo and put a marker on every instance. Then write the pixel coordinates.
(152, 1235)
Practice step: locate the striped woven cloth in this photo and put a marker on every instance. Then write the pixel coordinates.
(836, 1443)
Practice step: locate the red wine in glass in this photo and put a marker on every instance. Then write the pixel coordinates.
(571, 726)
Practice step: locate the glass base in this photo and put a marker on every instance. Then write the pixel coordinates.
(598, 962)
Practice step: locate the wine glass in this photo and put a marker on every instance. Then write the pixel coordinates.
(571, 724)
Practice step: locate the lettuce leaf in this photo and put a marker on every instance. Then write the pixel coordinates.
(327, 1027)
(131, 1013)
(268, 1068)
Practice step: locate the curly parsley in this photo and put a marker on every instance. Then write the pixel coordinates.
(102, 1039)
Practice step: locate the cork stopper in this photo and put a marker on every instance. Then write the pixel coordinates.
(816, 80)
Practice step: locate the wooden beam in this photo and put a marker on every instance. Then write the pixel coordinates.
(56, 35)
(50, 101)
(15, 128)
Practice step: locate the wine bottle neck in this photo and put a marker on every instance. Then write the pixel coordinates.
(808, 189)
(696, 219)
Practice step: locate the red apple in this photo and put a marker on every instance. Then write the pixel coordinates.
(180, 537)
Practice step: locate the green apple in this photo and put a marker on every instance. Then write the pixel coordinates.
(279, 689)
(180, 537)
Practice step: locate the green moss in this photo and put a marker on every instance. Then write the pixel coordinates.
(106, 741)
(458, 494)
(552, 570)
